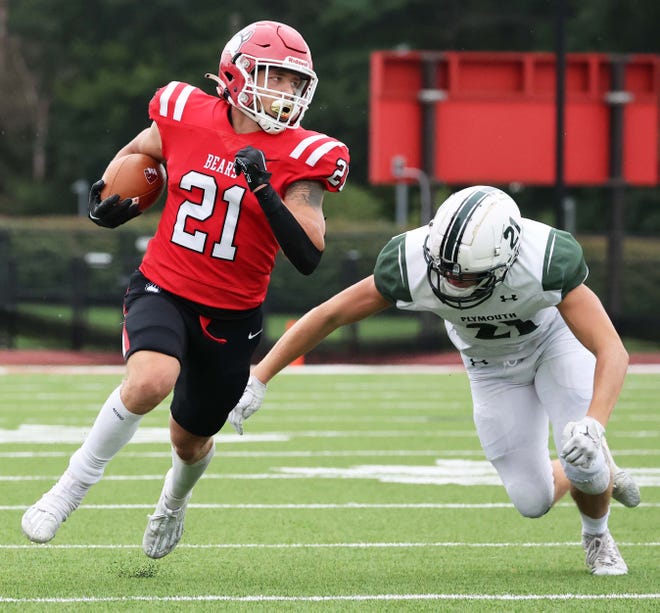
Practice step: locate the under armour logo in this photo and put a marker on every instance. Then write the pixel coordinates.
(474, 362)
(511, 297)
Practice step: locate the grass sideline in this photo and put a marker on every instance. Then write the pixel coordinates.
(349, 492)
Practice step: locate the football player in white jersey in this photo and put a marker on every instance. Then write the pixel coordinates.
(537, 345)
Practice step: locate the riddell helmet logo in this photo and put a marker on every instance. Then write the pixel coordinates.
(151, 174)
(289, 60)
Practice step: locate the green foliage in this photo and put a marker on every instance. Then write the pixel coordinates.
(31, 196)
(615, 27)
(354, 204)
(95, 65)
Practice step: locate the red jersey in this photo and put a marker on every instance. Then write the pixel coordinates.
(214, 245)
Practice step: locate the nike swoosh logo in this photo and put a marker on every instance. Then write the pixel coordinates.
(252, 335)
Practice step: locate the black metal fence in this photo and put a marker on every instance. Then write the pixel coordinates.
(52, 280)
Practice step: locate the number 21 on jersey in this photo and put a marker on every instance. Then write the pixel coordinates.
(224, 248)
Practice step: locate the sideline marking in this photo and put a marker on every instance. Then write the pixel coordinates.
(307, 369)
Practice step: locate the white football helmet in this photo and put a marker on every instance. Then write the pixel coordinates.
(243, 74)
(473, 240)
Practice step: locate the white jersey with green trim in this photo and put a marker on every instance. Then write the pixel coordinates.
(512, 322)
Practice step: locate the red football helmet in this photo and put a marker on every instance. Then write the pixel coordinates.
(255, 50)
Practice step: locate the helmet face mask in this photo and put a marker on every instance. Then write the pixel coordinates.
(473, 241)
(247, 64)
(267, 105)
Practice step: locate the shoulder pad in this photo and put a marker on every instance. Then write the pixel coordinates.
(171, 101)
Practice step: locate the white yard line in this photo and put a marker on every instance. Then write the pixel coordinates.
(340, 598)
(361, 545)
(321, 506)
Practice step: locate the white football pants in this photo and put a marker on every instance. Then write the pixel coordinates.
(513, 404)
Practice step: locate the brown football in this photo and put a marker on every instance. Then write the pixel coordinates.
(136, 176)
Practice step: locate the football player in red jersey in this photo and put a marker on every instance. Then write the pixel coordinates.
(244, 180)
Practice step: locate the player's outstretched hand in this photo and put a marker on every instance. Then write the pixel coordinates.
(249, 403)
(581, 441)
(109, 213)
(252, 163)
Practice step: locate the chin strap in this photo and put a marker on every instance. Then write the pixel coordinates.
(220, 87)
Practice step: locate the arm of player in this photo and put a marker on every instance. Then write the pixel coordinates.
(148, 142)
(355, 303)
(589, 322)
(109, 212)
(304, 200)
(298, 225)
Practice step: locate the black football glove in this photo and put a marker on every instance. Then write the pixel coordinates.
(109, 213)
(252, 163)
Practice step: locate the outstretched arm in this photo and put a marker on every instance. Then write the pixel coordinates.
(353, 304)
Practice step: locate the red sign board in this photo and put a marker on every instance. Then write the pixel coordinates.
(494, 117)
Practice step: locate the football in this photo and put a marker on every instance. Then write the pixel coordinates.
(136, 176)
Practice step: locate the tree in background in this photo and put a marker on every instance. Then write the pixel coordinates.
(81, 73)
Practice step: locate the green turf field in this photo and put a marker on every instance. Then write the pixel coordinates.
(349, 492)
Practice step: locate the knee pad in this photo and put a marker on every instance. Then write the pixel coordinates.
(594, 480)
(530, 500)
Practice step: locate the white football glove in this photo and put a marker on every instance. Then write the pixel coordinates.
(250, 402)
(581, 441)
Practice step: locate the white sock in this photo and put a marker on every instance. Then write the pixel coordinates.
(70, 488)
(114, 427)
(183, 477)
(593, 526)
